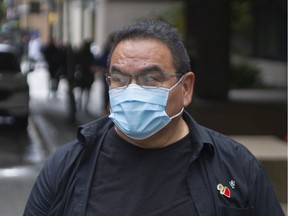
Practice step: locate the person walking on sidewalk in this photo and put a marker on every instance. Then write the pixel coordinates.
(55, 56)
(149, 156)
(84, 74)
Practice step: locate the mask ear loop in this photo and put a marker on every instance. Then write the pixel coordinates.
(181, 111)
(178, 114)
(177, 83)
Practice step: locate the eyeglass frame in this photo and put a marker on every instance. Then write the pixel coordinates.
(135, 76)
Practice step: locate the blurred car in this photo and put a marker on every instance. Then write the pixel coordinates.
(14, 88)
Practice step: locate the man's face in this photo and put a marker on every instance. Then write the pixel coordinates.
(135, 56)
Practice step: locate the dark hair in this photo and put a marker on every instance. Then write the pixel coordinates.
(156, 30)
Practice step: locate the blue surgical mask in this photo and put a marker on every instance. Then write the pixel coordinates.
(140, 112)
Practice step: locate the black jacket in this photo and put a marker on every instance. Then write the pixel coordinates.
(218, 162)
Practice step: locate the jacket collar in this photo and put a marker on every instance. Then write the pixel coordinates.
(201, 140)
(87, 133)
(200, 137)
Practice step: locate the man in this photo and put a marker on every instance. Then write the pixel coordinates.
(149, 157)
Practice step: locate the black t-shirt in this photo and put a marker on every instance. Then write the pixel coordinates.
(133, 181)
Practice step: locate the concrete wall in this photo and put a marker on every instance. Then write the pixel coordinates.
(115, 15)
(36, 21)
(96, 20)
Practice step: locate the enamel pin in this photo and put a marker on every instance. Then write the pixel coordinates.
(232, 184)
(225, 191)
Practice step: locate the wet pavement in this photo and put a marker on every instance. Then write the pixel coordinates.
(23, 152)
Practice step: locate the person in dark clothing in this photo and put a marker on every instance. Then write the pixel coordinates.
(22, 46)
(70, 76)
(55, 57)
(84, 74)
(149, 156)
(102, 67)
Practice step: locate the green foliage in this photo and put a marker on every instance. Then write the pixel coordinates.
(176, 17)
(2, 12)
(241, 24)
(244, 76)
(241, 18)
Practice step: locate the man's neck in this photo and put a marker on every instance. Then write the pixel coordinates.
(174, 131)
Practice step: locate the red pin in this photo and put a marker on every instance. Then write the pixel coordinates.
(224, 190)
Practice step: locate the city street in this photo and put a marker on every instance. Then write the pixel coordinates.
(21, 157)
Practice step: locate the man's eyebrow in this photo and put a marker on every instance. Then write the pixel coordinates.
(115, 69)
(150, 68)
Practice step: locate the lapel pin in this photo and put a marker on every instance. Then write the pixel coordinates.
(232, 183)
(225, 191)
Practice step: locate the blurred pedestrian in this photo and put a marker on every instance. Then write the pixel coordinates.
(22, 46)
(70, 76)
(55, 57)
(34, 48)
(149, 156)
(102, 67)
(84, 74)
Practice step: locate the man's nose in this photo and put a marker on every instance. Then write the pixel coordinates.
(133, 79)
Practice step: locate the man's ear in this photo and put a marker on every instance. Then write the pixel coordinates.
(188, 88)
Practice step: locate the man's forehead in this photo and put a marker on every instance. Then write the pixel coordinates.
(147, 41)
(142, 49)
(137, 54)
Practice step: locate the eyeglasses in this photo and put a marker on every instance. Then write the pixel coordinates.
(145, 79)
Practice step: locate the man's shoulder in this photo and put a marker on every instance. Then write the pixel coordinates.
(97, 126)
(224, 146)
(219, 142)
(65, 154)
(206, 135)
(88, 137)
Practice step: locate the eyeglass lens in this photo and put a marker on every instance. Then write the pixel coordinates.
(153, 79)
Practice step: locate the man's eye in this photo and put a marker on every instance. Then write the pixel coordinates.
(118, 79)
(151, 79)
